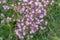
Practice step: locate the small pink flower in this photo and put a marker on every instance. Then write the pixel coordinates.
(27, 23)
(8, 19)
(25, 0)
(39, 11)
(22, 10)
(42, 28)
(37, 0)
(22, 20)
(22, 24)
(31, 18)
(33, 11)
(52, 2)
(36, 26)
(27, 19)
(4, 1)
(6, 7)
(18, 24)
(24, 27)
(30, 2)
(24, 33)
(27, 15)
(41, 16)
(20, 36)
(36, 3)
(16, 31)
(32, 31)
(46, 22)
(37, 22)
(41, 20)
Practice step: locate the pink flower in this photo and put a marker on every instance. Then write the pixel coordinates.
(22, 20)
(27, 15)
(41, 16)
(4, 1)
(27, 19)
(36, 3)
(30, 2)
(25, 0)
(24, 27)
(39, 11)
(27, 23)
(46, 22)
(41, 20)
(42, 28)
(37, 0)
(6, 7)
(37, 22)
(22, 24)
(32, 31)
(52, 2)
(24, 33)
(8, 19)
(20, 36)
(22, 10)
(16, 31)
(18, 24)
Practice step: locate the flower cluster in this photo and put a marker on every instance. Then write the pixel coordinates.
(6, 7)
(2, 1)
(33, 20)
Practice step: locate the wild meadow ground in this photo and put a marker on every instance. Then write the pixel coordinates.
(52, 31)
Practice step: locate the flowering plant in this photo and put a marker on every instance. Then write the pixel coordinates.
(26, 17)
